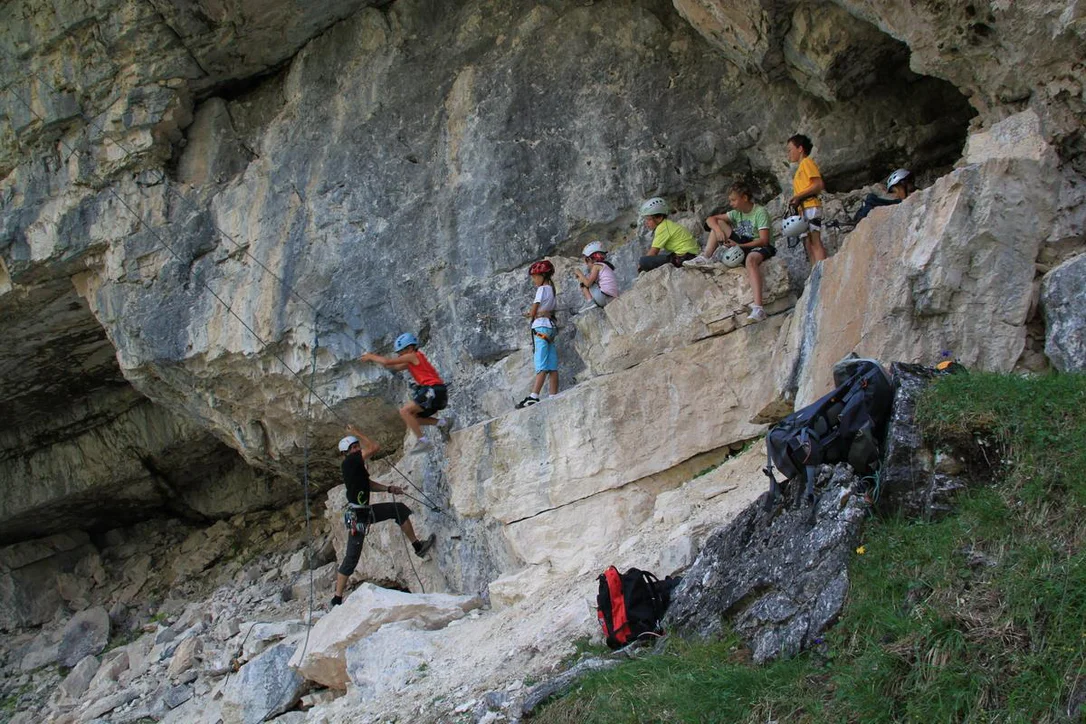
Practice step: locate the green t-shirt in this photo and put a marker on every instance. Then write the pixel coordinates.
(747, 226)
(674, 238)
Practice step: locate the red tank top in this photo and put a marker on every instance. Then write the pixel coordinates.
(424, 372)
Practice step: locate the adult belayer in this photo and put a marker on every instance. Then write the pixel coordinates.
(355, 449)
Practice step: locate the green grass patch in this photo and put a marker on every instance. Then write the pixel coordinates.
(980, 616)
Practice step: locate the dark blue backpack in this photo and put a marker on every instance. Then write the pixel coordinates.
(845, 426)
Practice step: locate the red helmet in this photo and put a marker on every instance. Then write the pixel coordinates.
(541, 267)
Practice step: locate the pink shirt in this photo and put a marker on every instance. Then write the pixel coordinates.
(607, 280)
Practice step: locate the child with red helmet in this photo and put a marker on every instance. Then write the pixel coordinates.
(598, 283)
(541, 315)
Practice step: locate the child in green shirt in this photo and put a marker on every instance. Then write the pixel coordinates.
(746, 226)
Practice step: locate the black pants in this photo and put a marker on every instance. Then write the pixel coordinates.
(648, 263)
(379, 512)
(871, 201)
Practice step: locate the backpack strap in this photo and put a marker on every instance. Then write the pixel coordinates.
(774, 488)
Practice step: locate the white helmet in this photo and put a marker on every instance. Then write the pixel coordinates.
(654, 206)
(591, 248)
(897, 177)
(733, 256)
(794, 226)
(345, 443)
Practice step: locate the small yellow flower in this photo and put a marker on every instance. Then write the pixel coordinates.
(861, 550)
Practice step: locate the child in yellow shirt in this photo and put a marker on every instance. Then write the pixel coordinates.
(806, 186)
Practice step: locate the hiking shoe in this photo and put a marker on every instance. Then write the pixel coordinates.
(757, 314)
(699, 260)
(587, 308)
(423, 445)
(423, 546)
(444, 425)
(336, 600)
(527, 402)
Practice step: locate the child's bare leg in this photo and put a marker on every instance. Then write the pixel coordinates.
(586, 294)
(341, 584)
(537, 384)
(427, 420)
(711, 245)
(813, 245)
(754, 274)
(409, 414)
(554, 382)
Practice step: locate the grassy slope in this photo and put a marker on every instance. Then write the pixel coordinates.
(980, 616)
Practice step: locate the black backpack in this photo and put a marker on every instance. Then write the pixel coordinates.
(630, 605)
(843, 426)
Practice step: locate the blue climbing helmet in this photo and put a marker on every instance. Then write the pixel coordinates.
(405, 340)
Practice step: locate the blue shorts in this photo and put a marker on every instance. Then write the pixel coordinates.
(546, 355)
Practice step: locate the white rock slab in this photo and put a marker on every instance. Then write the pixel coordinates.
(363, 612)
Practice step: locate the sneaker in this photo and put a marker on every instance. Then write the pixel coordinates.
(423, 546)
(699, 260)
(587, 308)
(336, 600)
(423, 445)
(444, 425)
(527, 402)
(757, 314)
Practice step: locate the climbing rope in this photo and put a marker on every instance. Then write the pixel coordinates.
(305, 488)
(309, 386)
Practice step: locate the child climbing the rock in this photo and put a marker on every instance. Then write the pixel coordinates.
(671, 243)
(428, 390)
(900, 185)
(746, 226)
(600, 285)
(355, 449)
(541, 315)
(806, 186)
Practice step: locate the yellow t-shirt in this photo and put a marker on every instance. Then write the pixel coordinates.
(807, 170)
(674, 238)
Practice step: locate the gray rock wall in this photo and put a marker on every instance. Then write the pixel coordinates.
(342, 173)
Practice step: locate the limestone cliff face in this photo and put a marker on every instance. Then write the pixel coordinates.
(342, 173)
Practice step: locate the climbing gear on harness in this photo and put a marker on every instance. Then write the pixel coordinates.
(345, 443)
(356, 520)
(655, 206)
(405, 340)
(541, 267)
(733, 256)
(544, 337)
(592, 247)
(794, 226)
(897, 177)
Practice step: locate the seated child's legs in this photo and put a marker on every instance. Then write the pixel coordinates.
(595, 294)
(754, 275)
(648, 263)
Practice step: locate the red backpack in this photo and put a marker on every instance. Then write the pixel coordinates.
(630, 605)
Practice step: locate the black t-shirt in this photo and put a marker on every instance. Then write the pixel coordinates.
(357, 479)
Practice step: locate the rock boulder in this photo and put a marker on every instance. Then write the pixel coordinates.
(1063, 298)
(779, 576)
(364, 611)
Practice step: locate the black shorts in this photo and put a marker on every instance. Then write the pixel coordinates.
(767, 252)
(430, 399)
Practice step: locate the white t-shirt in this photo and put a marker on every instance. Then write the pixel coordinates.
(544, 297)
